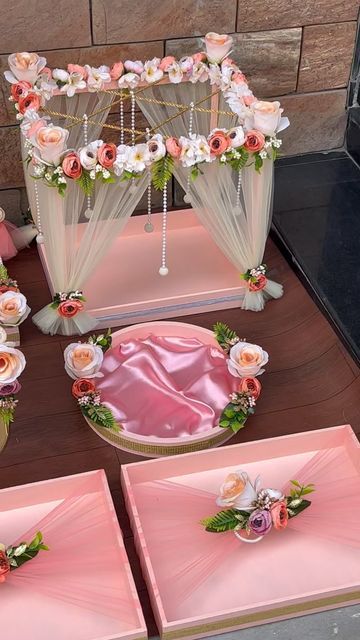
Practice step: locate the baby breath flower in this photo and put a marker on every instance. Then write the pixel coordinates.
(92, 174)
(223, 158)
(106, 173)
(263, 154)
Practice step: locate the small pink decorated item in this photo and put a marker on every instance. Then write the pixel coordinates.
(13, 238)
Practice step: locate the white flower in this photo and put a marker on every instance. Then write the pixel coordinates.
(156, 147)
(24, 66)
(97, 77)
(199, 73)
(61, 75)
(83, 360)
(175, 72)
(12, 364)
(202, 149)
(13, 308)
(238, 491)
(75, 81)
(50, 143)
(136, 66)
(186, 64)
(128, 81)
(274, 494)
(217, 46)
(88, 155)
(246, 359)
(266, 116)
(45, 86)
(236, 136)
(122, 158)
(139, 158)
(188, 152)
(263, 154)
(215, 74)
(225, 81)
(152, 72)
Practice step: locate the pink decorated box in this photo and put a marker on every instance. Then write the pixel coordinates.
(202, 583)
(82, 588)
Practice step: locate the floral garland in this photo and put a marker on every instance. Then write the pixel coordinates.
(13, 557)
(251, 142)
(82, 363)
(246, 361)
(254, 511)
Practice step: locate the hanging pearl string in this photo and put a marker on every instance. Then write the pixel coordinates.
(121, 119)
(163, 269)
(149, 227)
(88, 211)
(191, 118)
(132, 126)
(39, 237)
(238, 190)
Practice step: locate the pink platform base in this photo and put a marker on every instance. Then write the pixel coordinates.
(289, 573)
(127, 287)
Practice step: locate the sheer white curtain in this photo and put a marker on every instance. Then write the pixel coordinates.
(74, 248)
(241, 230)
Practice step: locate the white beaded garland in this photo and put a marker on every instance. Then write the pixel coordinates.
(39, 237)
(191, 118)
(88, 210)
(149, 227)
(132, 126)
(238, 190)
(163, 271)
(122, 139)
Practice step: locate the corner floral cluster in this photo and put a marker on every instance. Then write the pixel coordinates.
(246, 362)
(13, 557)
(13, 304)
(256, 278)
(255, 511)
(83, 363)
(68, 304)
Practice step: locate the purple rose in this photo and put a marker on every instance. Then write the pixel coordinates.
(10, 389)
(260, 522)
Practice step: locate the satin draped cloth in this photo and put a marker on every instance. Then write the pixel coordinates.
(166, 387)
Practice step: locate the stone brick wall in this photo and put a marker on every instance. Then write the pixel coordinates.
(298, 50)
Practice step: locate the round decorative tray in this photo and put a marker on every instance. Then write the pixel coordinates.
(153, 446)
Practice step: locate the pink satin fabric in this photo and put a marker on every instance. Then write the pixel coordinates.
(7, 247)
(166, 386)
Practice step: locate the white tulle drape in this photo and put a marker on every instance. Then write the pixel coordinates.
(73, 245)
(240, 229)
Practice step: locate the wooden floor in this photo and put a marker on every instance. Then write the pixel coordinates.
(311, 382)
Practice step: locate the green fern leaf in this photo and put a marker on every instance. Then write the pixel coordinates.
(226, 520)
(101, 415)
(161, 172)
(225, 336)
(85, 182)
(3, 272)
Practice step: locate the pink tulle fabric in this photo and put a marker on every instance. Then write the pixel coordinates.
(7, 246)
(186, 557)
(82, 565)
(166, 386)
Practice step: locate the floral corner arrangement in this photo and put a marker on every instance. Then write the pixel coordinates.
(68, 304)
(12, 364)
(13, 557)
(246, 362)
(250, 510)
(255, 278)
(83, 362)
(13, 304)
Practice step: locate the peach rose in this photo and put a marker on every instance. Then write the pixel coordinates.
(232, 487)
(250, 385)
(70, 308)
(107, 155)
(246, 360)
(81, 387)
(71, 165)
(266, 116)
(249, 100)
(166, 62)
(51, 143)
(24, 66)
(173, 147)
(279, 515)
(254, 141)
(116, 70)
(199, 57)
(238, 491)
(218, 142)
(217, 46)
(259, 284)
(13, 308)
(20, 89)
(4, 565)
(83, 360)
(77, 68)
(30, 101)
(12, 364)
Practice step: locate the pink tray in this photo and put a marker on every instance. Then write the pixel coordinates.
(286, 575)
(28, 613)
(151, 446)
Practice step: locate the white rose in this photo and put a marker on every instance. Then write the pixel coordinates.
(13, 308)
(156, 147)
(217, 46)
(24, 66)
(12, 364)
(128, 80)
(247, 359)
(60, 74)
(51, 143)
(135, 66)
(238, 491)
(83, 360)
(186, 64)
(88, 155)
(236, 136)
(266, 116)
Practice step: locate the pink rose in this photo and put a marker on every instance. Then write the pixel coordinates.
(51, 142)
(217, 46)
(279, 515)
(77, 68)
(30, 101)
(24, 66)
(71, 165)
(199, 57)
(134, 66)
(10, 389)
(218, 143)
(4, 566)
(250, 385)
(228, 62)
(69, 308)
(173, 147)
(259, 284)
(266, 116)
(248, 100)
(34, 127)
(107, 155)
(238, 78)
(254, 141)
(116, 70)
(20, 89)
(46, 71)
(166, 62)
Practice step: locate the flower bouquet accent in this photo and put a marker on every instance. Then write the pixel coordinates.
(245, 362)
(252, 511)
(68, 304)
(13, 304)
(13, 557)
(255, 278)
(12, 364)
(82, 363)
